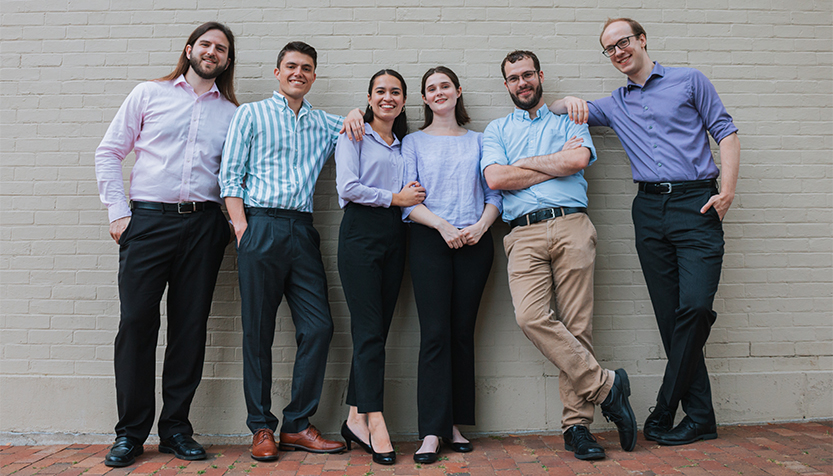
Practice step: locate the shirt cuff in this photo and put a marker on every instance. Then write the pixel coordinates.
(118, 210)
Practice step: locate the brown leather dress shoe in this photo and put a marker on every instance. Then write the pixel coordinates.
(263, 445)
(310, 440)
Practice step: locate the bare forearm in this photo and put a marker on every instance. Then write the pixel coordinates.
(729, 163)
(509, 177)
(559, 164)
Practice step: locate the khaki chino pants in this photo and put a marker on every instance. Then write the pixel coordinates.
(555, 259)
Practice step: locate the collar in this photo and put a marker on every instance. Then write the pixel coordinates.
(180, 81)
(658, 71)
(523, 115)
(368, 130)
(283, 104)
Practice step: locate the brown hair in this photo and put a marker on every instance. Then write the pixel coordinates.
(225, 81)
(460, 113)
(516, 56)
(636, 28)
(400, 124)
(298, 47)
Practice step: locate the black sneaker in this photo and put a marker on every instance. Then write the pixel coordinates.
(582, 443)
(617, 408)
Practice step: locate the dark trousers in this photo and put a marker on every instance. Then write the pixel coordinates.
(371, 260)
(681, 253)
(182, 252)
(448, 285)
(279, 254)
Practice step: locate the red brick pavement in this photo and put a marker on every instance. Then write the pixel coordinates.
(778, 449)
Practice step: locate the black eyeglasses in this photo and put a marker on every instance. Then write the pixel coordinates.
(621, 44)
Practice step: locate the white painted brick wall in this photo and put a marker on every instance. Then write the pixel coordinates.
(65, 67)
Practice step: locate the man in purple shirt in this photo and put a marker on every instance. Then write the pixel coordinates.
(171, 234)
(663, 117)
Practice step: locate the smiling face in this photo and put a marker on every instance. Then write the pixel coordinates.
(631, 60)
(209, 54)
(386, 98)
(296, 74)
(440, 94)
(524, 83)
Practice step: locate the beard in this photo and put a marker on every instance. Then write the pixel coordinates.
(203, 72)
(529, 103)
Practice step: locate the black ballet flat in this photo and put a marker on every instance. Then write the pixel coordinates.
(466, 447)
(350, 437)
(428, 458)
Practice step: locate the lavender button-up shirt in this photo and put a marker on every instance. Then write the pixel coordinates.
(662, 125)
(369, 171)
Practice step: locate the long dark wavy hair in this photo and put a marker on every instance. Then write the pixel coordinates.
(460, 113)
(225, 81)
(400, 124)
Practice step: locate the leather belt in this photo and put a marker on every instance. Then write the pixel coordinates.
(181, 208)
(545, 214)
(664, 188)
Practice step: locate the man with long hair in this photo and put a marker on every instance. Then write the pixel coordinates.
(171, 233)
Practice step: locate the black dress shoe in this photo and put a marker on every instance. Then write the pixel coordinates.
(183, 446)
(123, 452)
(688, 431)
(388, 458)
(466, 447)
(350, 437)
(582, 443)
(660, 421)
(617, 408)
(428, 458)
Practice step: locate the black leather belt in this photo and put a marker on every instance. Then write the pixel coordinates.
(181, 208)
(664, 188)
(545, 214)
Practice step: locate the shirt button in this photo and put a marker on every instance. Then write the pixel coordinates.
(650, 127)
(645, 107)
(655, 146)
(659, 165)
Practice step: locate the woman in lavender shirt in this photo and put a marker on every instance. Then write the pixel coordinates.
(371, 252)
(451, 255)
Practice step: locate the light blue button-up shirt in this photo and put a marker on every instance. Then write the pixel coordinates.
(516, 136)
(368, 172)
(272, 158)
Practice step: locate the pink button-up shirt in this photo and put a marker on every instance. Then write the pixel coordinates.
(178, 139)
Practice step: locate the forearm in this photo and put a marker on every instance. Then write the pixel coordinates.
(236, 211)
(490, 214)
(509, 177)
(559, 164)
(729, 163)
(422, 215)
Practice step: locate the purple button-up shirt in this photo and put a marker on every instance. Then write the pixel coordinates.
(662, 125)
(369, 171)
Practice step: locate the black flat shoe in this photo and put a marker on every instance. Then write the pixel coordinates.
(428, 458)
(582, 443)
(183, 447)
(350, 437)
(617, 409)
(688, 431)
(466, 447)
(123, 452)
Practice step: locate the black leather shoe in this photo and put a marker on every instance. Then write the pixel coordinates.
(617, 408)
(123, 452)
(660, 421)
(350, 437)
(388, 458)
(582, 443)
(183, 446)
(466, 447)
(688, 431)
(428, 458)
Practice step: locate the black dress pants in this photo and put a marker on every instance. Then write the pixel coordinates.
(448, 285)
(183, 253)
(279, 255)
(681, 253)
(371, 260)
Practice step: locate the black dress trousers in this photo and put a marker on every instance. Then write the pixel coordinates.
(182, 252)
(681, 253)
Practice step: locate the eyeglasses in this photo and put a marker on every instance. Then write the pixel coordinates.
(621, 44)
(526, 75)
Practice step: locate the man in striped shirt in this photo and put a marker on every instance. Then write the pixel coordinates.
(273, 154)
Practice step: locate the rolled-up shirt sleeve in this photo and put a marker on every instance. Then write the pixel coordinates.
(493, 150)
(711, 108)
(117, 143)
(411, 171)
(234, 166)
(348, 169)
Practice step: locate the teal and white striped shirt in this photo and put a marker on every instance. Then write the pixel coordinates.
(271, 158)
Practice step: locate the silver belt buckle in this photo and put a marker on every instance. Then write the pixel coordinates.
(183, 211)
(670, 188)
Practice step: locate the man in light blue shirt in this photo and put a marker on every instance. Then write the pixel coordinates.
(273, 154)
(537, 160)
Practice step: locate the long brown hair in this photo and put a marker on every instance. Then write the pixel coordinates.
(400, 124)
(460, 114)
(225, 81)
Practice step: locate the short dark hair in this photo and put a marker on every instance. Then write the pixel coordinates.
(460, 113)
(636, 28)
(516, 56)
(300, 47)
(225, 81)
(400, 124)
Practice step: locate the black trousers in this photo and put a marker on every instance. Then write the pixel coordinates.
(681, 253)
(371, 260)
(279, 255)
(183, 253)
(448, 285)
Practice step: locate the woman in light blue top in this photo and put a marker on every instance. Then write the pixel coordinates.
(371, 252)
(451, 255)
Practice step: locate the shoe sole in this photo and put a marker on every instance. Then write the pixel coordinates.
(707, 436)
(265, 458)
(168, 450)
(291, 447)
(584, 457)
